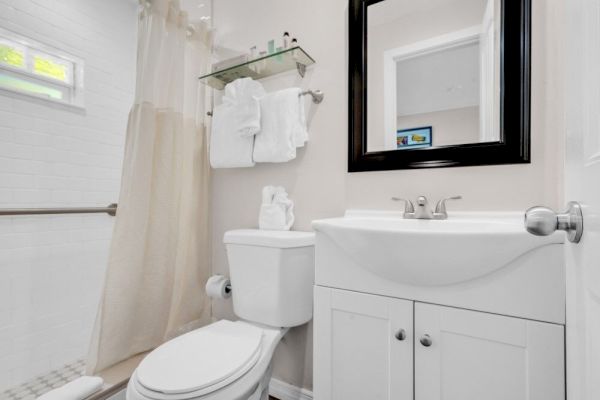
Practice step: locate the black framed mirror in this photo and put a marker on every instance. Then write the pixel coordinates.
(438, 83)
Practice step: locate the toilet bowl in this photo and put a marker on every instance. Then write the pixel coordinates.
(272, 274)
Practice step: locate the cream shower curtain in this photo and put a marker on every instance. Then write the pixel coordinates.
(159, 257)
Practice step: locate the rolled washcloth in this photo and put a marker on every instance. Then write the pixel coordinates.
(234, 124)
(78, 389)
(277, 210)
(283, 126)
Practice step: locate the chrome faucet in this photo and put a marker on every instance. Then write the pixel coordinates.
(423, 210)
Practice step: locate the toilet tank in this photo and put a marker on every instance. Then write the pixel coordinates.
(272, 275)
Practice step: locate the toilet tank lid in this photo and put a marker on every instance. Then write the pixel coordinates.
(265, 238)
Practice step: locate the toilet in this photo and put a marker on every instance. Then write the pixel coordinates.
(272, 276)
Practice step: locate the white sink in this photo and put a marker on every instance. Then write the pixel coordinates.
(466, 246)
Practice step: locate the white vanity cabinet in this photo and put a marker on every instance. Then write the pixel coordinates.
(470, 355)
(361, 353)
(363, 346)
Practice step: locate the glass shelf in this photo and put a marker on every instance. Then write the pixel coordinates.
(272, 64)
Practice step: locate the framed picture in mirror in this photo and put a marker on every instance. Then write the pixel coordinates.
(414, 138)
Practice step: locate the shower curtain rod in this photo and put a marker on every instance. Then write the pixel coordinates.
(111, 210)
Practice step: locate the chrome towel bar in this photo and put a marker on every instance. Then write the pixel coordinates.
(111, 210)
(317, 98)
(317, 95)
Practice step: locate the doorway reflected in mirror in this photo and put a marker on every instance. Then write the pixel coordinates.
(433, 63)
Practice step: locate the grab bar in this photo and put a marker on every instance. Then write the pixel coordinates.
(111, 210)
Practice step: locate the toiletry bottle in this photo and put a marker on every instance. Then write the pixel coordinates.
(286, 40)
(271, 46)
(295, 52)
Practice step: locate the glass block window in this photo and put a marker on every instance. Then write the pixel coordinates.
(30, 68)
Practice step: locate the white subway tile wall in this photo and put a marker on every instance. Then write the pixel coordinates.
(52, 267)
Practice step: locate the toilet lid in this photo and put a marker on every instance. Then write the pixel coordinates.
(201, 358)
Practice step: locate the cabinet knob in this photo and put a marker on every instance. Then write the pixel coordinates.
(426, 340)
(400, 335)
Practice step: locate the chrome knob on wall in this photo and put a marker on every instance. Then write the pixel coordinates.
(542, 221)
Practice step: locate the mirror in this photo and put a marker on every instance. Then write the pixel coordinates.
(438, 83)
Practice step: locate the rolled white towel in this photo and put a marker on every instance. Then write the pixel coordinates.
(78, 389)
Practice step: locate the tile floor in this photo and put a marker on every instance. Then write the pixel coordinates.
(42, 384)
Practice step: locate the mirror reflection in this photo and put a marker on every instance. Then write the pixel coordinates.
(433, 77)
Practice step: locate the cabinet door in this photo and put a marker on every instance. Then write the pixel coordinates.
(471, 355)
(363, 346)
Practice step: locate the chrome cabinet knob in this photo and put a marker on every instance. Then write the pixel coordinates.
(542, 221)
(400, 335)
(426, 340)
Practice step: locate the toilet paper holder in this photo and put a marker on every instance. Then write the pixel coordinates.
(218, 287)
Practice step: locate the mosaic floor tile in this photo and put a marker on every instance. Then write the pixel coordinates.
(44, 383)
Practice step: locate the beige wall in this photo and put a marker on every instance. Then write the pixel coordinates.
(317, 180)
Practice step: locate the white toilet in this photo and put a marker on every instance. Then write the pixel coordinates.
(272, 275)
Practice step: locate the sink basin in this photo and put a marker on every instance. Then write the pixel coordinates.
(432, 252)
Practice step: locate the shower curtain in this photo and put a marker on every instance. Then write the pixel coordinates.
(159, 256)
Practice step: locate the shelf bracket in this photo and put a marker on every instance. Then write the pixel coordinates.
(301, 69)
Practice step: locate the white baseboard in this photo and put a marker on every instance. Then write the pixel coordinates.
(285, 391)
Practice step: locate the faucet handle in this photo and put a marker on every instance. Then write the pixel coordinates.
(409, 208)
(440, 207)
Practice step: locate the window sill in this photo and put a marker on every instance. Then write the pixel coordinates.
(42, 100)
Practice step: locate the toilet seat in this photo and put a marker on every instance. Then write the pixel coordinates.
(235, 387)
(179, 368)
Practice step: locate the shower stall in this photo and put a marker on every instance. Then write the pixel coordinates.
(67, 86)
(67, 80)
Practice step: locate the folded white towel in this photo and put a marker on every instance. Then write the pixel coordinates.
(228, 148)
(277, 210)
(234, 124)
(283, 126)
(244, 94)
(78, 389)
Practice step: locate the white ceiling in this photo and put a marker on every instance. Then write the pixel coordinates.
(443, 80)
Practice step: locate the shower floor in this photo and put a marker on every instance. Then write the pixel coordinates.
(44, 383)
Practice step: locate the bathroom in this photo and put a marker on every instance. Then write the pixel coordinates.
(77, 160)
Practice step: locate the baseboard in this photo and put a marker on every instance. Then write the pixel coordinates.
(285, 391)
